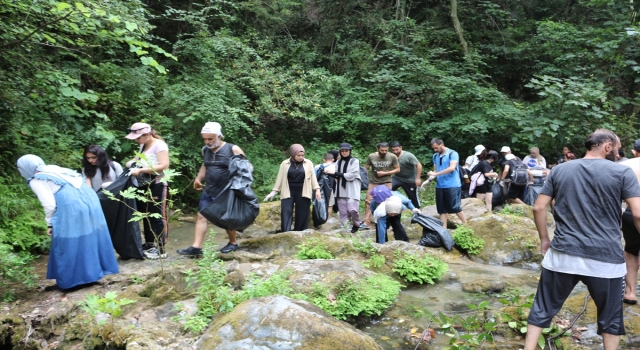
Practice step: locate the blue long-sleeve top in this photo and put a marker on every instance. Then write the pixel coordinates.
(406, 202)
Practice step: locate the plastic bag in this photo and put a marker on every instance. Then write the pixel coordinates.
(498, 196)
(125, 235)
(433, 225)
(326, 187)
(319, 212)
(236, 207)
(430, 238)
(533, 191)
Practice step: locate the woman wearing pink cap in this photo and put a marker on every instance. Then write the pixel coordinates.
(296, 183)
(156, 152)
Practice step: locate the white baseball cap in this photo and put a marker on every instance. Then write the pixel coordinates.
(212, 128)
(479, 149)
(509, 157)
(505, 149)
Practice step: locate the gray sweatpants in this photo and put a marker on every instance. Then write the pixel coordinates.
(349, 208)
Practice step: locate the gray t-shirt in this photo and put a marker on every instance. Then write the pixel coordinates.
(97, 180)
(588, 194)
(408, 164)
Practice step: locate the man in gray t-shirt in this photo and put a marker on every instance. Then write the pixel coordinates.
(586, 245)
(409, 176)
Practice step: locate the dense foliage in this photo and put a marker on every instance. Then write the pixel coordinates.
(315, 72)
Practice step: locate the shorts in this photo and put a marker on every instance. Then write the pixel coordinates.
(630, 234)
(554, 289)
(448, 200)
(516, 191)
(482, 189)
(205, 200)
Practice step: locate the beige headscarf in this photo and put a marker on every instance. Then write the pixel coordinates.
(537, 150)
(295, 149)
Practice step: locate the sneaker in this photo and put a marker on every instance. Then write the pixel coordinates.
(354, 229)
(154, 254)
(192, 251)
(364, 227)
(229, 248)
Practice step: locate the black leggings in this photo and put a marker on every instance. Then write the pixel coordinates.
(409, 188)
(155, 225)
(302, 211)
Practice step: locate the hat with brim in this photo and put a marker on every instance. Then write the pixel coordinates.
(138, 129)
(505, 149)
(479, 149)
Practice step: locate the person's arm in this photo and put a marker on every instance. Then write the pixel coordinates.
(163, 164)
(540, 218)
(418, 173)
(395, 170)
(238, 150)
(505, 171)
(197, 182)
(46, 197)
(452, 167)
(634, 204)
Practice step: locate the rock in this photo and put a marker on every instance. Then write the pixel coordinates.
(509, 240)
(268, 221)
(278, 322)
(472, 208)
(235, 279)
(286, 243)
(242, 256)
(389, 250)
(483, 286)
(326, 272)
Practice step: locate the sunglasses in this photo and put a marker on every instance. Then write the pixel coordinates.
(129, 131)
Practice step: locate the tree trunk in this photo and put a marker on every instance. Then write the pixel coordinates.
(458, 28)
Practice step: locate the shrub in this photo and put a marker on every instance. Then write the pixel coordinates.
(464, 237)
(312, 248)
(423, 269)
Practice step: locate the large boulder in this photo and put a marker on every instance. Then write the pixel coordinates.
(268, 221)
(509, 240)
(286, 243)
(278, 322)
(306, 273)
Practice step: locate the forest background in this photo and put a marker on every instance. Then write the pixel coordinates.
(540, 73)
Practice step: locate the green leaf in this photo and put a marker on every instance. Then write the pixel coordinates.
(131, 26)
(62, 6)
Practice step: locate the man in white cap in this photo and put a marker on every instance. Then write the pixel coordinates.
(215, 172)
(473, 160)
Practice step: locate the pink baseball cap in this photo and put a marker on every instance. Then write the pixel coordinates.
(138, 129)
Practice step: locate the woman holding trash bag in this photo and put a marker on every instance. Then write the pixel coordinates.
(81, 251)
(296, 181)
(147, 169)
(484, 171)
(387, 207)
(98, 168)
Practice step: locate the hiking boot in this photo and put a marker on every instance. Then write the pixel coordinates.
(354, 229)
(154, 254)
(229, 248)
(191, 251)
(364, 227)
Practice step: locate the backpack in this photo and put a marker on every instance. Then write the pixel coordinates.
(519, 173)
(364, 179)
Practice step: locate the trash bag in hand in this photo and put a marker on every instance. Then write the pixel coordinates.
(498, 195)
(125, 234)
(236, 207)
(430, 226)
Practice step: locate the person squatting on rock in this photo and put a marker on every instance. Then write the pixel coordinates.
(448, 187)
(381, 165)
(631, 236)
(156, 152)
(98, 168)
(586, 244)
(215, 172)
(81, 250)
(346, 190)
(387, 207)
(409, 176)
(296, 183)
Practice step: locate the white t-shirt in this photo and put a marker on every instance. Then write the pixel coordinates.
(472, 161)
(557, 261)
(535, 164)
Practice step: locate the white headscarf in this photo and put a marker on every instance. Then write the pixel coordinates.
(29, 165)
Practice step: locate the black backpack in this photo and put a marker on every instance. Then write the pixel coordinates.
(364, 179)
(519, 173)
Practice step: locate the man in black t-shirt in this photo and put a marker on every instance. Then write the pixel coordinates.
(515, 191)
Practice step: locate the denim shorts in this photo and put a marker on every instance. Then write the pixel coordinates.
(205, 200)
(448, 200)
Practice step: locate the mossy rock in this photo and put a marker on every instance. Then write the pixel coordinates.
(471, 207)
(287, 243)
(509, 240)
(278, 322)
(268, 221)
(330, 273)
(170, 286)
(389, 249)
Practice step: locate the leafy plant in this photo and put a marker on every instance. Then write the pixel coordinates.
(476, 329)
(109, 304)
(512, 210)
(364, 245)
(425, 269)
(256, 287)
(464, 237)
(377, 260)
(313, 248)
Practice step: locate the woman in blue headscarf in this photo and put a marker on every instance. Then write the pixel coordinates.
(81, 250)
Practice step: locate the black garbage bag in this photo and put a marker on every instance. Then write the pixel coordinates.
(532, 193)
(320, 212)
(125, 235)
(498, 195)
(236, 207)
(432, 226)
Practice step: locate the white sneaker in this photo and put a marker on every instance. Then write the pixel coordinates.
(153, 254)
